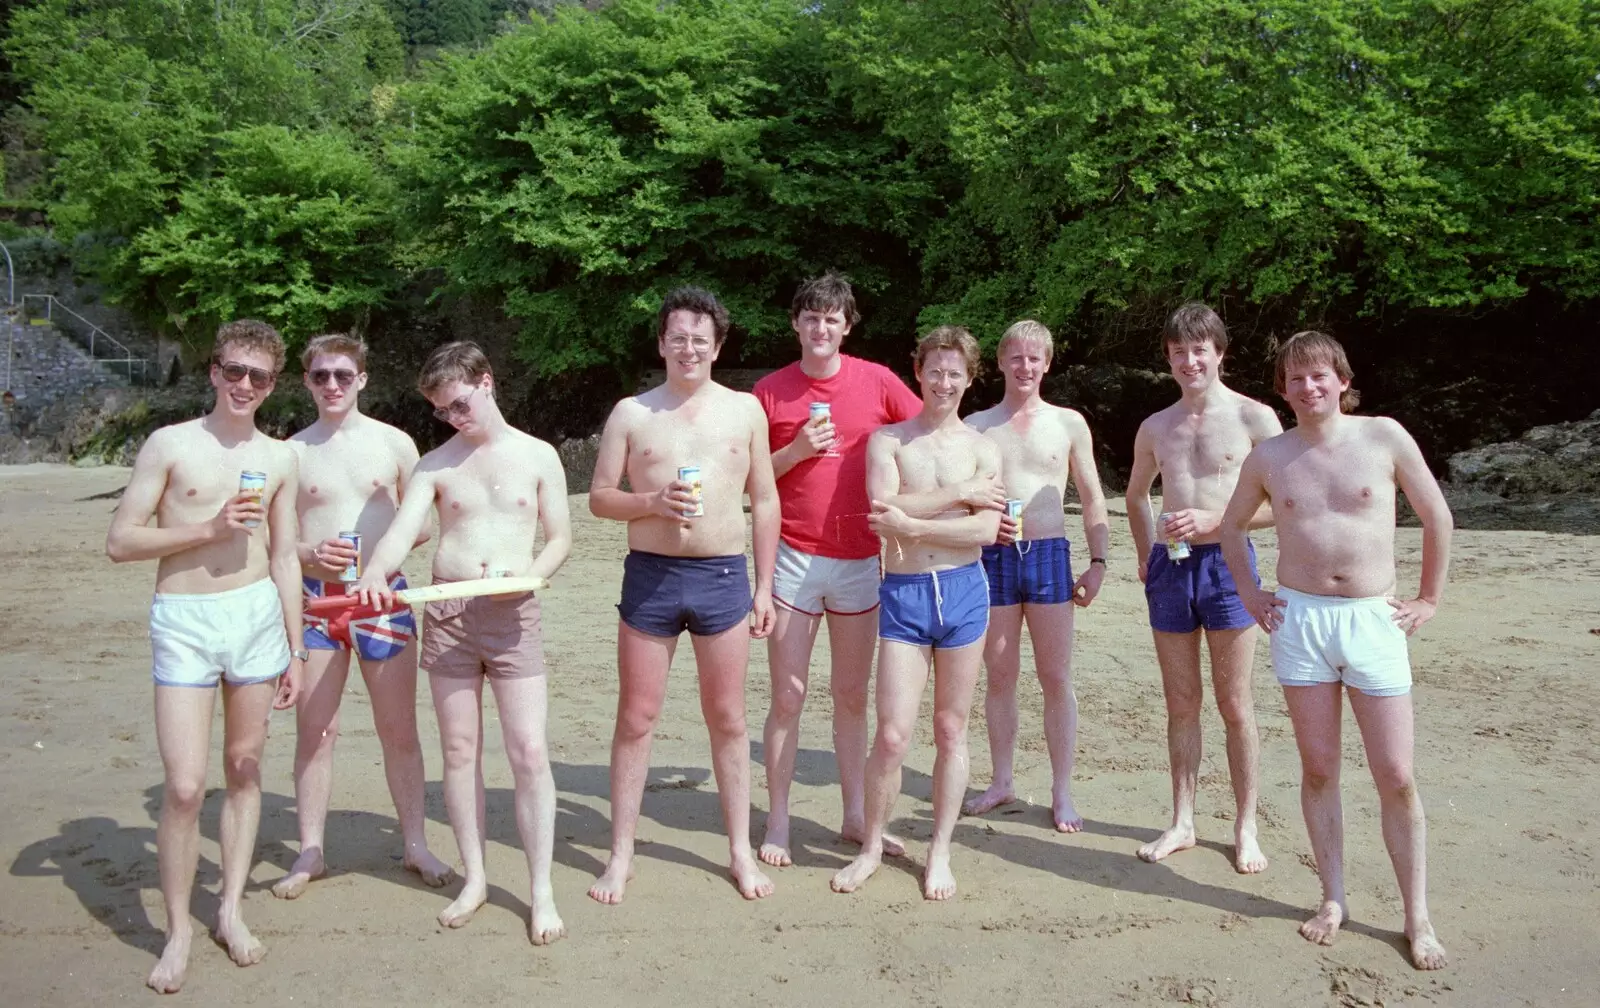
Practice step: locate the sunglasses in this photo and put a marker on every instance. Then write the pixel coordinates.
(344, 376)
(460, 408)
(232, 373)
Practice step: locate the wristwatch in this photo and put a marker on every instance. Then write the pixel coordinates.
(302, 654)
(1098, 560)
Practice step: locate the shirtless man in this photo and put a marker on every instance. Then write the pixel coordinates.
(827, 555)
(1197, 446)
(227, 608)
(1030, 576)
(685, 570)
(494, 487)
(1335, 621)
(934, 602)
(352, 471)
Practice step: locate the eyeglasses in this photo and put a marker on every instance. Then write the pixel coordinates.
(344, 376)
(232, 373)
(700, 344)
(460, 408)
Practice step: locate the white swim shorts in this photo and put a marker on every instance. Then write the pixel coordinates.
(238, 635)
(814, 584)
(1330, 638)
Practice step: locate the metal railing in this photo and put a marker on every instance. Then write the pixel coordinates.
(97, 341)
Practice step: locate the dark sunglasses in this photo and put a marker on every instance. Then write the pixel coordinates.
(232, 373)
(344, 376)
(460, 408)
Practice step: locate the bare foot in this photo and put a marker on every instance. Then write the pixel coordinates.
(853, 875)
(307, 868)
(1426, 952)
(459, 913)
(938, 882)
(608, 887)
(1324, 927)
(997, 795)
(775, 848)
(1171, 842)
(1066, 817)
(544, 925)
(242, 946)
(752, 881)
(167, 977)
(435, 873)
(1247, 856)
(893, 846)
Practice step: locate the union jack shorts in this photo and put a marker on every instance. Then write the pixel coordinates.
(377, 638)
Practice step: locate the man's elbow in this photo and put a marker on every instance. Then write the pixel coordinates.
(116, 550)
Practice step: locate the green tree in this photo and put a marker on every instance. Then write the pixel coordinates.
(293, 228)
(1298, 156)
(577, 168)
(137, 100)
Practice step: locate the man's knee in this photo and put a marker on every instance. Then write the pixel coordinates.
(1238, 713)
(788, 699)
(183, 796)
(242, 767)
(1396, 783)
(892, 743)
(949, 730)
(724, 718)
(459, 749)
(528, 757)
(850, 696)
(1320, 772)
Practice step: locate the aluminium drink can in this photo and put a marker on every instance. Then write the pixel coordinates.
(690, 474)
(1014, 512)
(352, 571)
(820, 412)
(1177, 549)
(254, 484)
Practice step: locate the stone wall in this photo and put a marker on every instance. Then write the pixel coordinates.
(47, 367)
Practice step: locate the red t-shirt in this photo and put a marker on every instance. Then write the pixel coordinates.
(824, 498)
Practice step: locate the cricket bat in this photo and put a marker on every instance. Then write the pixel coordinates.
(433, 593)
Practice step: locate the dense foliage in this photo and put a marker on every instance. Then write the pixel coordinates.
(1374, 165)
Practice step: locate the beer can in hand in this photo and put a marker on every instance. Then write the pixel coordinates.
(690, 474)
(352, 572)
(1177, 549)
(253, 484)
(1014, 512)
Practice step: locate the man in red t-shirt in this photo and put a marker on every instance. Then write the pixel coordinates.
(827, 554)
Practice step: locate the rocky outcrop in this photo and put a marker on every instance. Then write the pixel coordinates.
(1547, 480)
(1554, 459)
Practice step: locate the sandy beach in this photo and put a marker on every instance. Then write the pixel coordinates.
(1507, 691)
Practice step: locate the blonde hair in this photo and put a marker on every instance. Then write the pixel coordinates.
(949, 337)
(461, 361)
(349, 344)
(249, 334)
(1027, 331)
(1311, 347)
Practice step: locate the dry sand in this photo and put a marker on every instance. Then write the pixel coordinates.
(1507, 697)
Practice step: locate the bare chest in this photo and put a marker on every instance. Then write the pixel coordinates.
(204, 478)
(1315, 484)
(1201, 446)
(1037, 446)
(659, 446)
(486, 486)
(928, 466)
(338, 477)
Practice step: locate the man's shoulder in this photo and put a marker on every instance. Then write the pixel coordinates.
(1381, 430)
(537, 447)
(985, 419)
(1067, 417)
(1161, 419)
(863, 369)
(777, 382)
